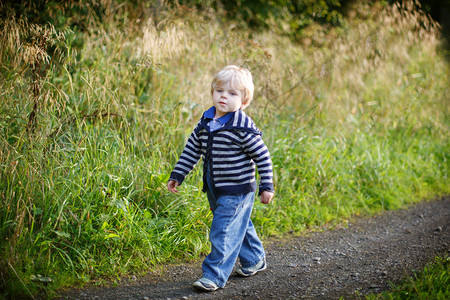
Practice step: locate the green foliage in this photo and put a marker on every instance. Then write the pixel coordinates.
(289, 17)
(353, 128)
(431, 283)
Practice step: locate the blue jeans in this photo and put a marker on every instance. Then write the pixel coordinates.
(232, 235)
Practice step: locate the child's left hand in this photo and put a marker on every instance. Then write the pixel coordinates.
(266, 197)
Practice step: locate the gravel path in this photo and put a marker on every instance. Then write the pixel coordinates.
(361, 258)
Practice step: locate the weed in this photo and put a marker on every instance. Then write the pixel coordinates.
(430, 283)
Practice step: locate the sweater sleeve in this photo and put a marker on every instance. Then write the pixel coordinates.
(255, 147)
(188, 158)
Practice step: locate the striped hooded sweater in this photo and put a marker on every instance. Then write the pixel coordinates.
(231, 153)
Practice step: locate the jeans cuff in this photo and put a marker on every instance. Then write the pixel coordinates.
(253, 263)
(215, 280)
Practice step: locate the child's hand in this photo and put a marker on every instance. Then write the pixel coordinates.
(266, 197)
(171, 186)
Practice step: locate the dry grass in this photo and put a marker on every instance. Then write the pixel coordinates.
(332, 74)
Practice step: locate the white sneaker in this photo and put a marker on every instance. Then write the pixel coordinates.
(205, 285)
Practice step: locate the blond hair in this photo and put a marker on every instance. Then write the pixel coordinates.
(238, 78)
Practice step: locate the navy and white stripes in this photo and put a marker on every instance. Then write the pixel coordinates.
(231, 152)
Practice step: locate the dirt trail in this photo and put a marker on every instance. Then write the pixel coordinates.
(361, 258)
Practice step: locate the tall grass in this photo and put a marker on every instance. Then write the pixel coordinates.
(356, 119)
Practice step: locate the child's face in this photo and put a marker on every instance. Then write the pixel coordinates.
(226, 99)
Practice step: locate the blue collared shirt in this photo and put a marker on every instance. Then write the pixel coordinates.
(216, 123)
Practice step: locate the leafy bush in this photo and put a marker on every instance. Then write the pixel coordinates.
(289, 17)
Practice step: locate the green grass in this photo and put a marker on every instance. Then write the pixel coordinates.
(353, 128)
(431, 283)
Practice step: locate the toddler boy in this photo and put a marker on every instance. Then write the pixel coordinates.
(230, 145)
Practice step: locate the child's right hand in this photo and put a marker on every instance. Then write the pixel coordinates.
(171, 186)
